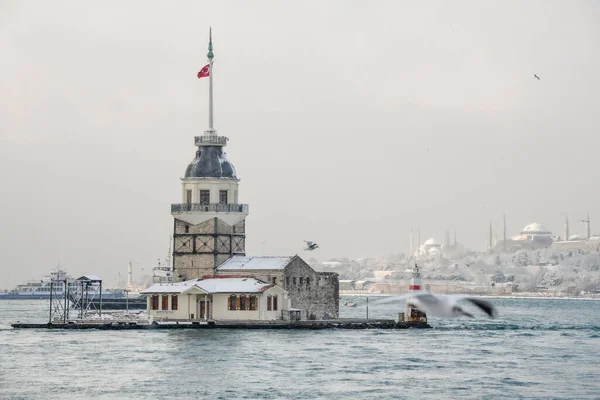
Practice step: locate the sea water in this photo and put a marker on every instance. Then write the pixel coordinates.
(537, 348)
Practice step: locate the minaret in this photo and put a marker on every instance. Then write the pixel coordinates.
(490, 243)
(209, 223)
(504, 232)
(566, 228)
(587, 223)
(129, 276)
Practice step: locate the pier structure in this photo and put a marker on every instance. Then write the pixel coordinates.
(209, 222)
(69, 299)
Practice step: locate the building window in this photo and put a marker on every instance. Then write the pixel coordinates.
(307, 281)
(253, 303)
(165, 303)
(223, 196)
(205, 197)
(274, 280)
(243, 303)
(287, 281)
(174, 302)
(188, 196)
(154, 302)
(232, 302)
(294, 280)
(275, 303)
(301, 280)
(187, 229)
(269, 303)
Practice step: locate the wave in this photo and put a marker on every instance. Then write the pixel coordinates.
(515, 327)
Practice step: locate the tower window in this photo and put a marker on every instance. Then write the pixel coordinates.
(188, 194)
(274, 280)
(294, 280)
(187, 229)
(205, 197)
(223, 196)
(301, 280)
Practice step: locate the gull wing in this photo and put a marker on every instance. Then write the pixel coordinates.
(486, 306)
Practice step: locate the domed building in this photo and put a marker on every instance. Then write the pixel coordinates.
(430, 247)
(534, 235)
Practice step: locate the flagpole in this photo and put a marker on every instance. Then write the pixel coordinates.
(210, 56)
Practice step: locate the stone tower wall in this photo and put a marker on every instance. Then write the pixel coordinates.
(204, 246)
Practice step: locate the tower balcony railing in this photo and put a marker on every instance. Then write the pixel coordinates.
(210, 140)
(190, 207)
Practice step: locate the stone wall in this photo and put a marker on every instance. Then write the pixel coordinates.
(204, 246)
(316, 294)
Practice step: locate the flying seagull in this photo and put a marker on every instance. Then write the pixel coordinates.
(310, 246)
(445, 306)
(536, 77)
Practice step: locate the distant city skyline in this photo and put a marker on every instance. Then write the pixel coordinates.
(349, 124)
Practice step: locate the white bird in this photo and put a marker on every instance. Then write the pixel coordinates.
(310, 246)
(445, 305)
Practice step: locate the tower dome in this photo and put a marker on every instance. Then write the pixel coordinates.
(210, 162)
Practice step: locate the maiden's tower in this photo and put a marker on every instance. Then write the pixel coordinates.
(209, 229)
(209, 223)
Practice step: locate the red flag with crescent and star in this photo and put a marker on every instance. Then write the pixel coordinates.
(204, 72)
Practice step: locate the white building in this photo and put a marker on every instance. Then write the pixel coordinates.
(218, 298)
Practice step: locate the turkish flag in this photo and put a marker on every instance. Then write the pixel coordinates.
(204, 72)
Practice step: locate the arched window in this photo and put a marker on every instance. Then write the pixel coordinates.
(253, 305)
(232, 302)
(187, 229)
(269, 303)
(243, 302)
(274, 302)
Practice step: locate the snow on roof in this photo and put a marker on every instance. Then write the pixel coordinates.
(252, 263)
(431, 241)
(233, 285)
(95, 278)
(179, 287)
(535, 228)
(213, 285)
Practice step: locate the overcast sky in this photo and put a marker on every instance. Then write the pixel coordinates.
(349, 123)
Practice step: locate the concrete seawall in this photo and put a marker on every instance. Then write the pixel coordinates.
(304, 325)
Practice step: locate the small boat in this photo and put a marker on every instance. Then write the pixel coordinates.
(349, 304)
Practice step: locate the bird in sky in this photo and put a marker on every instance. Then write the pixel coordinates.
(310, 246)
(536, 77)
(444, 305)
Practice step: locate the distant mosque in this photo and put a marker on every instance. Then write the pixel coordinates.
(537, 236)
